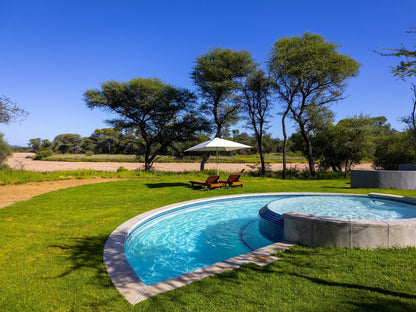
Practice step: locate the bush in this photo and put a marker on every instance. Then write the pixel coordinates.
(121, 169)
(4, 149)
(394, 150)
(43, 154)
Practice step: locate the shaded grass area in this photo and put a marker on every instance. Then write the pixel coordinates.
(51, 250)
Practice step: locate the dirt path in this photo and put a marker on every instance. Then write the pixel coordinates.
(9, 194)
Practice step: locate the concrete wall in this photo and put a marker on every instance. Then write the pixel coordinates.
(407, 167)
(403, 180)
(313, 231)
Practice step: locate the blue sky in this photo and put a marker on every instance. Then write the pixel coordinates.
(52, 51)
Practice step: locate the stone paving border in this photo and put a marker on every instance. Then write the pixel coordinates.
(135, 290)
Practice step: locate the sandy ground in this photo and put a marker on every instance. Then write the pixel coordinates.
(10, 194)
(24, 161)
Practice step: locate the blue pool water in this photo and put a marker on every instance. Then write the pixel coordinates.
(354, 207)
(194, 236)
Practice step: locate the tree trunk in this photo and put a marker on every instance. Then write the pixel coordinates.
(308, 142)
(413, 121)
(347, 167)
(147, 158)
(263, 167)
(147, 164)
(204, 161)
(284, 143)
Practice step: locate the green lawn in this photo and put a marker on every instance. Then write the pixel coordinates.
(51, 250)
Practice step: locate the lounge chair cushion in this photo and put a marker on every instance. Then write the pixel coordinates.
(211, 182)
(233, 180)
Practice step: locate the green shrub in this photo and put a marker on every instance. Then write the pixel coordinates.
(121, 169)
(43, 154)
(394, 150)
(4, 149)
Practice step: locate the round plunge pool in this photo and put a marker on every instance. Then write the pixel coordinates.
(376, 220)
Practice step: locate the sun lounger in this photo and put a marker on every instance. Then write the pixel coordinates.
(211, 182)
(233, 180)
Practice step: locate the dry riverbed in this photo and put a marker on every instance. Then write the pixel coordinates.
(24, 161)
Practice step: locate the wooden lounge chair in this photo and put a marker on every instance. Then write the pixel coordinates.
(211, 182)
(233, 180)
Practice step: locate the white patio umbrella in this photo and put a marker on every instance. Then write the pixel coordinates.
(216, 145)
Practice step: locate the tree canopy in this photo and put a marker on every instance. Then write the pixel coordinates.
(158, 113)
(309, 72)
(407, 66)
(9, 111)
(218, 74)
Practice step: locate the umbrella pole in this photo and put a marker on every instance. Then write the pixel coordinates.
(218, 168)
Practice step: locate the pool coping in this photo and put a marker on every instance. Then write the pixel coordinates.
(135, 290)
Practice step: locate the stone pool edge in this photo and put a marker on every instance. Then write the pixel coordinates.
(135, 290)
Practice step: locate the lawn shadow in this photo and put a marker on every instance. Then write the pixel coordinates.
(337, 187)
(87, 253)
(169, 184)
(355, 286)
(385, 305)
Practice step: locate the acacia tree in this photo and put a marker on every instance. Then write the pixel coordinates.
(410, 120)
(159, 113)
(407, 66)
(67, 143)
(218, 75)
(9, 111)
(286, 87)
(310, 72)
(256, 104)
(405, 69)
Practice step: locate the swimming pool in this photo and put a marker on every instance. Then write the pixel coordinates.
(212, 225)
(195, 236)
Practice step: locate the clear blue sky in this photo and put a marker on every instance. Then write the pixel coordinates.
(52, 51)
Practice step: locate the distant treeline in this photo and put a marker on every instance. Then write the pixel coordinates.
(111, 141)
(336, 146)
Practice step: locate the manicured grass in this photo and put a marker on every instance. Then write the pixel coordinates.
(51, 250)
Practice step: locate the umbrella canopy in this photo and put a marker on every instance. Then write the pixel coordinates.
(216, 145)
